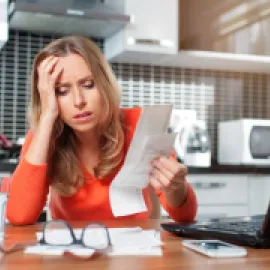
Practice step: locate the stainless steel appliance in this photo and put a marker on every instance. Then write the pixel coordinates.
(192, 144)
(96, 18)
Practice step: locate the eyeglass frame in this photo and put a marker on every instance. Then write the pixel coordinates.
(76, 241)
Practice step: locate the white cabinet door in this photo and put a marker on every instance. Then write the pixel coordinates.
(206, 212)
(3, 22)
(220, 195)
(153, 21)
(259, 193)
(153, 29)
(220, 189)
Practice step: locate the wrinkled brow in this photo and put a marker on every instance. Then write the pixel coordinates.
(80, 81)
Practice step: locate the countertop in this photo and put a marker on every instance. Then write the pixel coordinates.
(9, 165)
(230, 169)
(173, 256)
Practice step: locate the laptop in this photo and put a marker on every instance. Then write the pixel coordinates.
(253, 231)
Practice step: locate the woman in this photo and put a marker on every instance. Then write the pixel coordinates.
(78, 141)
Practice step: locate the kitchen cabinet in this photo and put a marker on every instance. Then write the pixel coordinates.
(152, 33)
(3, 22)
(253, 39)
(229, 195)
(233, 26)
(226, 35)
(259, 193)
(188, 33)
(220, 195)
(96, 18)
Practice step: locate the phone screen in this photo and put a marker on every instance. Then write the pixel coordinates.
(215, 248)
(212, 245)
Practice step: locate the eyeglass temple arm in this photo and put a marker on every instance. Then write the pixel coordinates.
(16, 247)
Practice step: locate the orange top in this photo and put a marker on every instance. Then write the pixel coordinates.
(29, 189)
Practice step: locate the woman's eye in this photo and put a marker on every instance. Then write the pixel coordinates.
(61, 91)
(89, 85)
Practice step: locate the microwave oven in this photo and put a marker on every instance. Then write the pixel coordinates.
(244, 142)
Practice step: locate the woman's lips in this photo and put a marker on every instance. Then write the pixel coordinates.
(83, 117)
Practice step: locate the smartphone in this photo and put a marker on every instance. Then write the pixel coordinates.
(215, 248)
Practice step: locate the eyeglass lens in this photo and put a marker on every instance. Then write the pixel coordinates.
(94, 235)
(57, 233)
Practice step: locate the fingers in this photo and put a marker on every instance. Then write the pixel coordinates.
(44, 63)
(50, 66)
(56, 73)
(42, 66)
(158, 180)
(163, 183)
(49, 72)
(47, 65)
(171, 165)
(167, 173)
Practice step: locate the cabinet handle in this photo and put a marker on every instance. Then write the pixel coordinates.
(155, 42)
(213, 185)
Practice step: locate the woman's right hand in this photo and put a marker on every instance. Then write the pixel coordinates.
(48, 73)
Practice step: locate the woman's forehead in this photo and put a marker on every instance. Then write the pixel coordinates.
(74, 68)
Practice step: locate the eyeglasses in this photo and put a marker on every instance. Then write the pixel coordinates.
(59, 233)
(94, 235)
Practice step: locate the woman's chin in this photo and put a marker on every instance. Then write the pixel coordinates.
(86, 128)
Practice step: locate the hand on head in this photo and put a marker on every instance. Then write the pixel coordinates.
(48, 73)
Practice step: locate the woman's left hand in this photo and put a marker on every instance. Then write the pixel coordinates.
(168, 176)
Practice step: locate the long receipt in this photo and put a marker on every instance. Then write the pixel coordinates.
(150, 140)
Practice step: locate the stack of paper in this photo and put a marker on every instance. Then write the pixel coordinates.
(125, 241)
(150, 141)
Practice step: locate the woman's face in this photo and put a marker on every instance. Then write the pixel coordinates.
(78, 98)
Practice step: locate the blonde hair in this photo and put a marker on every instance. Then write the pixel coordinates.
(64, 169)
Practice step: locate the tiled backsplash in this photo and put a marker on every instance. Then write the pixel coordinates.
(215, 95)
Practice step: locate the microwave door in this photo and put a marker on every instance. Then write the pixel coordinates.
(259, 142)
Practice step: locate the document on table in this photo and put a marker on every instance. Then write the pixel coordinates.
(125, 241)
(150, 140)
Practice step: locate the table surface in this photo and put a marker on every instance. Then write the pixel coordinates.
(175, 256)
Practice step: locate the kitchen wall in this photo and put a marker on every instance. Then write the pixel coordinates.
(215, 95)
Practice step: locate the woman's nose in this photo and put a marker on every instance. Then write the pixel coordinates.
(79, 99)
